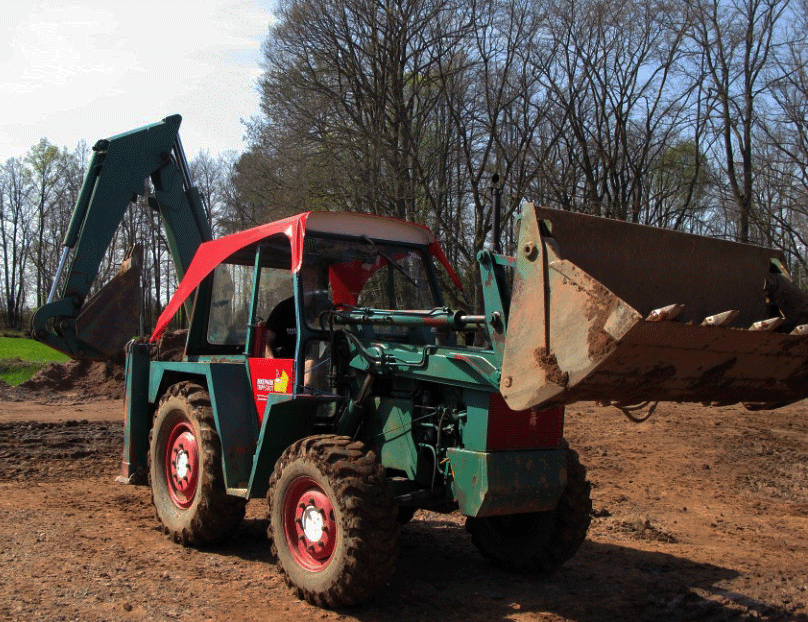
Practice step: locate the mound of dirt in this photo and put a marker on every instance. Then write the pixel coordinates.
(104, 379)
(171, 346)
(87, 379)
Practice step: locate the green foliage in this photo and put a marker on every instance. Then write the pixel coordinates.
(22, 358)
(16, 371)
(29, 350)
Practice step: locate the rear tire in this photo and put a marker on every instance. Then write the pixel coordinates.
(538, 541)
(332, 520)
(185, 469)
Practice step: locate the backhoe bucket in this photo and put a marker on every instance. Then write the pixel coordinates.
(620, 313)
(112, 316)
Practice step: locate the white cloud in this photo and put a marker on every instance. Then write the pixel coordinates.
(91, 69)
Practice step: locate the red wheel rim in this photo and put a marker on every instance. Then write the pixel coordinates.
(308, 524)
(182, 464)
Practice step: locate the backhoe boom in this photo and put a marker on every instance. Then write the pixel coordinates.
(98, 328)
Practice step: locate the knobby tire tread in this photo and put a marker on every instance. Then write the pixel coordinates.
(214, 514)
(368, 518)
(555, 536)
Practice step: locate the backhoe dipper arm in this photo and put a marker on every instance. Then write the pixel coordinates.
(97, 328)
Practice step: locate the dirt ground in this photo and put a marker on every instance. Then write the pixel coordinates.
(700, 514)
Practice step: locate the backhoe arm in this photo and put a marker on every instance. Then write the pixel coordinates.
(98, 328)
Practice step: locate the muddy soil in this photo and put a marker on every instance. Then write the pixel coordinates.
(700, 514)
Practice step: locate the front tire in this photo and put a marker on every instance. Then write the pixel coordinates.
(185, 469)
(332, 520)
(537, 542)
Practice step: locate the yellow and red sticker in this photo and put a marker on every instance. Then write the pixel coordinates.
(270, 376)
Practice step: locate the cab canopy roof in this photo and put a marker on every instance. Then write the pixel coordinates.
(211, 254)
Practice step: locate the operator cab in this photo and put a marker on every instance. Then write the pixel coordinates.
(276, 313)
(313, 265)
(363, 273)
(235, 305)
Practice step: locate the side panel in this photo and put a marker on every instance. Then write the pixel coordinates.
(286, 420)
(394, 433)
(137, 416)
(236, 421)
(234, 412)
(475, 430)
(471, 368)
(507, 482)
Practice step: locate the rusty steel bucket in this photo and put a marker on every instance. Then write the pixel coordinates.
(622, 313)
(111, 317)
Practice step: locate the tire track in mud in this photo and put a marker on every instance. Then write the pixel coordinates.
(50, 450)
(78, 547)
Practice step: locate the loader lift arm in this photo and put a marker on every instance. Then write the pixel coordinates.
(97, 328)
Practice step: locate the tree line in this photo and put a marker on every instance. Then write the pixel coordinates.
(685, 114)
(38, 192)
(688, 114)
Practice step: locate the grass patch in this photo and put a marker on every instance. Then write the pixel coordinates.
(15, 371)
(22, 358)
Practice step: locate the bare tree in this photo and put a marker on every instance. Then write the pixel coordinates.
(495, 106)
(348, 93)
(43, 161)
(678, 190)
(400, 108)
(647, 111)
(15, 237)
(785, 163)
(608, 72)
(206, 171)
(735, 43)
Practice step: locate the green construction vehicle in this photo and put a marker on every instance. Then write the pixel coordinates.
(323, 370)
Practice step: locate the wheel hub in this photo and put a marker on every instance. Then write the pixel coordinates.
(181, 464)
(309, 524)
(313, 524)
(182, 470)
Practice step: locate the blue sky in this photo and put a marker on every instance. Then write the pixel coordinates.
(90, 69)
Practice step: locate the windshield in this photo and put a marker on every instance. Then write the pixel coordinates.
(231, 299)
(368, 273)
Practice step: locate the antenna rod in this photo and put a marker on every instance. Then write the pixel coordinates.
(497, 246)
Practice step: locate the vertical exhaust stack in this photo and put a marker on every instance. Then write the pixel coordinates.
(615, 312)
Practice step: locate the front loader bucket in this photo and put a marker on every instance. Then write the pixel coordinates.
(112, 316)
(620, 313)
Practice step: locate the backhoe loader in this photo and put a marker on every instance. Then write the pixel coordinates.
(380, 407)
